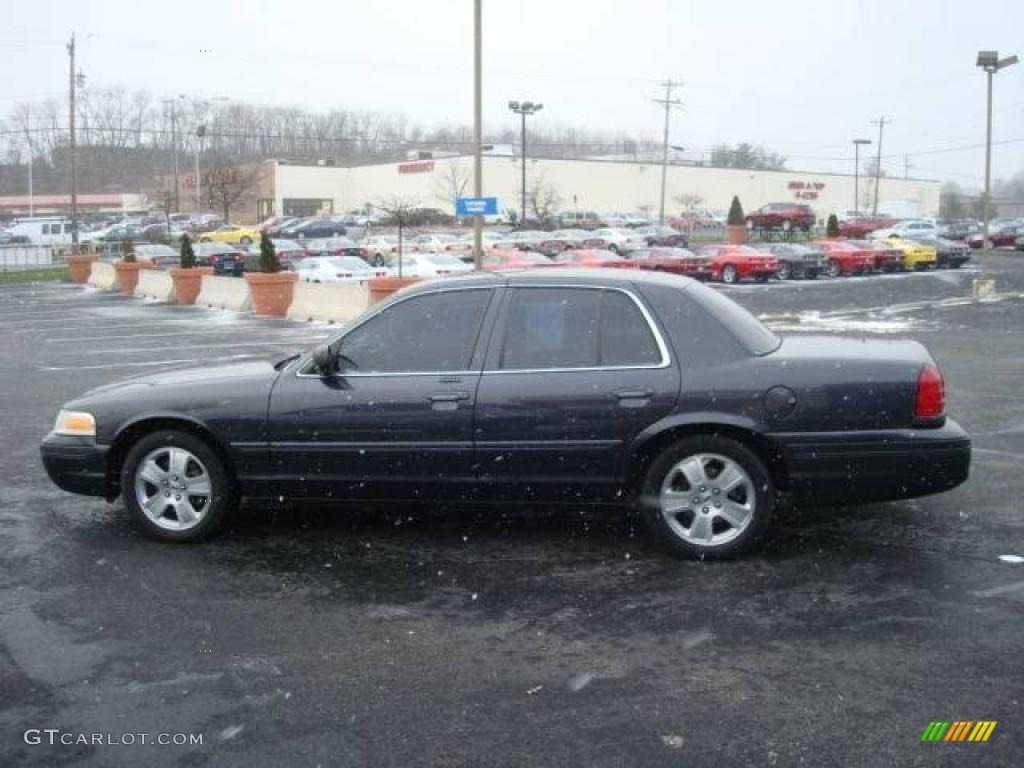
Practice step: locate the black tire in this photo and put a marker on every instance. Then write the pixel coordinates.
(246, 241)
(729, 274)
(761, 487)
(834, 268)
(614, 248)
(223, 497)
(785, 271)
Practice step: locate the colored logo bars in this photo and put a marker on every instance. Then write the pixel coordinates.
(958, 730)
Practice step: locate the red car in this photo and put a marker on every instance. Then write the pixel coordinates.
(1005, 236)
(732, 263)
(593, 257)
(886, 259)
(845, 258)
(784, 216)
(516, 260)
(679, 261)
(859, 228)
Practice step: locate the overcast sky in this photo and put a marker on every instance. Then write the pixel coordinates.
(801, 78)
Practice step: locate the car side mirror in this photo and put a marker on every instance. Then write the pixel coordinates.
(324, 359)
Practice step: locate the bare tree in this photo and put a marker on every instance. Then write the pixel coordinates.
(688, 201)
(543, 198)
(451, 181)
(227, 184)
(399, 209)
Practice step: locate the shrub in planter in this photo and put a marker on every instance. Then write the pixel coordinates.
(270, 288)
(187, 277)
(832, 227)
(736, 226)
(126, 269)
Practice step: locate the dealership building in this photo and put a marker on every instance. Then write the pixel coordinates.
(584, 185)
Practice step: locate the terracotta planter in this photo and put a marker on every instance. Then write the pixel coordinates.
(382, 287)
(79, 267)
(736, 234)
(271, 292)
(126, 275)
(187, 283)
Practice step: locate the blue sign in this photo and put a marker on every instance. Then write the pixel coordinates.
(476, 206)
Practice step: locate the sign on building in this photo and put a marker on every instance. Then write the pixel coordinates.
(476, 206)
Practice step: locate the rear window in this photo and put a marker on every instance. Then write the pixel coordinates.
(757, 339)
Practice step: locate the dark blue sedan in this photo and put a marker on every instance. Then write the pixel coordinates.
(225, 259)
(539, 386)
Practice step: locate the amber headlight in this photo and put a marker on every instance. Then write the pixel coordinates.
(77, 423)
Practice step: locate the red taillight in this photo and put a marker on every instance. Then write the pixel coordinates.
(930, 402)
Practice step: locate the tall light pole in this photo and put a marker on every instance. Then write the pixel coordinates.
(174, 149)
(880, 122)
(478, 131)
(857, 144)
(991, 63)
(523, 109)
(73, 82)
(668, 102)
(200, 132)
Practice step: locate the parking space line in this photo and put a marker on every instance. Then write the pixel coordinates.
(298, 331)
(146, 363)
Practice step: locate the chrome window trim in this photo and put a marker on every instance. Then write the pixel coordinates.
(437, 289)
(665, 362)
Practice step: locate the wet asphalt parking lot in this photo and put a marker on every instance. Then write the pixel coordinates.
(512, 637)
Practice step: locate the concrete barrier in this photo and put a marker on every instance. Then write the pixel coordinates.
(224, 293)
(155, 284)
(334, 302)
(102, 275)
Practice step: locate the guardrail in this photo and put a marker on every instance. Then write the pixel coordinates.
(17, 258)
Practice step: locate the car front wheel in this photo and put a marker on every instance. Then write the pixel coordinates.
(835, 269)
(176, 488)
(729, 274)
(707, 496)
(785, 271)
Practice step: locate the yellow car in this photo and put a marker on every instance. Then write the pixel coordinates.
(915, 255)
(231, 233)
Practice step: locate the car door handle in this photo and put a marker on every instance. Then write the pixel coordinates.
(634, 394)
(448, 397)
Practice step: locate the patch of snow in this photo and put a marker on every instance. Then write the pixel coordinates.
(1015, 559)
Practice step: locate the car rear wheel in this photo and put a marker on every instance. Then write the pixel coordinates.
(246, 241)
(785, 271)
(613, 248)
(708, 497)
(835, 269)
(175, 487)
(729, 274)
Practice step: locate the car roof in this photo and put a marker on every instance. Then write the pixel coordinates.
(563, 276)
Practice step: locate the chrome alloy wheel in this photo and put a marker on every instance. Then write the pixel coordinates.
(707, 499)
(173, 488)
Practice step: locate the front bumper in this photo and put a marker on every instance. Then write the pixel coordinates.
(882, 465)
(76, 464)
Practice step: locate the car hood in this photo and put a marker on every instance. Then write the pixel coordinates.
(196, 378)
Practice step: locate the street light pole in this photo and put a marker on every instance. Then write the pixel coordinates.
(73, 149)
(857, 144)
(478, 129)
(523, 109)
(991, 63)
(200, 132)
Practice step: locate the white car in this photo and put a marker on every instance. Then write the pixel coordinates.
(910, 229)
(619, 240)
(337, 269)
(380, 247)
(430, 265)
(432, 241)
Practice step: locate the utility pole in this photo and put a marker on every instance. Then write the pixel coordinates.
(523, 109)
(906, 166)
(668, 102)
(880, 122)
(174, 152)
(478, 126)
(28, 143)
(73, 148)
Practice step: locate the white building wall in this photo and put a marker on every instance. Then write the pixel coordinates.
(597, 185)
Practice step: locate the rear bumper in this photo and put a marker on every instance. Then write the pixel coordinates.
(76, 464)
(866, 466)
